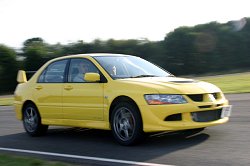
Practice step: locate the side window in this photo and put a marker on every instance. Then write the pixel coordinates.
(54, 73)
(77, 69)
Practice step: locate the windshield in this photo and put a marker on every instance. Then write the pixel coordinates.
(130, 67)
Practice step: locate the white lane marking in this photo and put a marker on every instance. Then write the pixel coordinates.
(82, 157)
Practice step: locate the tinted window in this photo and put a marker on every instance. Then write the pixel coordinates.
(54, 72)
(77, 69)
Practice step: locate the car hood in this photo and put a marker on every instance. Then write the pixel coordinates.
(174, 85)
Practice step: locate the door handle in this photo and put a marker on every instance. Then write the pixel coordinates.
(39, 87)
(68, 87)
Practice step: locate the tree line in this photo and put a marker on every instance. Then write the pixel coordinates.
(207, 48)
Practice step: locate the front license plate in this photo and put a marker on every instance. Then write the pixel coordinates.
(226, 111)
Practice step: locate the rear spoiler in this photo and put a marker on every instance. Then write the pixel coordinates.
(21, 75)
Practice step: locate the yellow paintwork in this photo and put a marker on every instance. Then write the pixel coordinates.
(88, 104)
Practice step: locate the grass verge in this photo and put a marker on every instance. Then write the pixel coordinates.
(6, 101)
(10, 160)
(232, 83)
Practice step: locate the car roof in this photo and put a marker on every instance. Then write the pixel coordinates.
(89, 55)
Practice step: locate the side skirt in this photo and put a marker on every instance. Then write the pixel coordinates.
(77, 123)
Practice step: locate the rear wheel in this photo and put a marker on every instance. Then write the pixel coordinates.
(126, 124)
(32, 121)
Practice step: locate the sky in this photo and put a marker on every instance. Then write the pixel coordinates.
(68, 21)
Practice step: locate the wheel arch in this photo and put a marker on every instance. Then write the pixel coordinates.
(119, 99)
(29, 102)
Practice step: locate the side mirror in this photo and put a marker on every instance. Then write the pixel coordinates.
(92, 77)
(21, 76)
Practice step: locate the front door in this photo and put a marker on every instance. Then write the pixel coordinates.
(82, 100)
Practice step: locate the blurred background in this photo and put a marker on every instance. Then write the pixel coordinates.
(198, 48)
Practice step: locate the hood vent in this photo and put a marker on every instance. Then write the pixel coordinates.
(186, 81)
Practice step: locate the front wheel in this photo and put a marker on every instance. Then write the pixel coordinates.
(32, 121)
(126, 124)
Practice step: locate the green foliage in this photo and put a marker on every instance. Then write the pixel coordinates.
(35, 52)
(8, 69)
(208, 48)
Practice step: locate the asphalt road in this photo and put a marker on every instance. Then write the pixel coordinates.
(227, 144)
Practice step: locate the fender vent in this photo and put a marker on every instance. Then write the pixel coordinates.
(174, 117)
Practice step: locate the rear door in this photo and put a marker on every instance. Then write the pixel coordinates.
(48, 90)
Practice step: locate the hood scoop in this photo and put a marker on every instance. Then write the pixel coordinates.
(183, 81)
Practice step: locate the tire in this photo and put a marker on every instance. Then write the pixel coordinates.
(32, 121)
(126, 124)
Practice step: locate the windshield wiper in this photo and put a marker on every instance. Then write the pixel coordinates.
(143, 75)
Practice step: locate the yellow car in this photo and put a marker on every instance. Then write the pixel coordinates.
(122, 93)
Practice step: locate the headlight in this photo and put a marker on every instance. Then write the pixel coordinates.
(157, 99)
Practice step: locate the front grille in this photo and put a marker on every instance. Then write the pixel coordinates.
(206, 116)
(196, 97)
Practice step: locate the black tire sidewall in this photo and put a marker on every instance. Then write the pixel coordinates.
(138, 133)
(40, 129)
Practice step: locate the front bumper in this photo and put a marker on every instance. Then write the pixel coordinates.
(181, 116)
